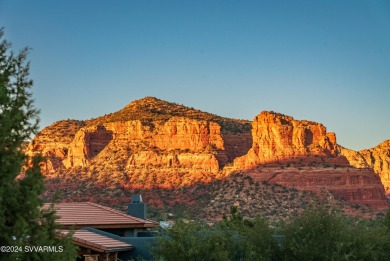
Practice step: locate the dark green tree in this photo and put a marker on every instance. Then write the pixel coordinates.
(323, 234)
(23, 222)
(235, 238)
(386, 221)
(318, 234)
(256, 237)
(191, 241)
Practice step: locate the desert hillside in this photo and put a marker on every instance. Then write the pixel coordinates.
(155, 144)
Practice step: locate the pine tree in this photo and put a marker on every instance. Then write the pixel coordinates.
(23, 222)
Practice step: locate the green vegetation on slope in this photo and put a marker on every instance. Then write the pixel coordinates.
(60, 131)
(150, 109)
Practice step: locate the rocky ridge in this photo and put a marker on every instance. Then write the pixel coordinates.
(277, 137)
(152, 143)
(377, 158)
(149, 143)
(304, 155)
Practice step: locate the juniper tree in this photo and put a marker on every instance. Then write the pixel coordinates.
(23, 222)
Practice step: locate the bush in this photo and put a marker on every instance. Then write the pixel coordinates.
(191, 241)
(232, 239)
(318, 234)
(322, 234)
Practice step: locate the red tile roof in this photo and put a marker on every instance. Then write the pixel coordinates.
(87, 214)
(97, 242)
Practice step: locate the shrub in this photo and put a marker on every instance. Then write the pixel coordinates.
(323, 234)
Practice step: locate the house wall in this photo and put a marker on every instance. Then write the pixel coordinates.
(142, 245)
(128, 232)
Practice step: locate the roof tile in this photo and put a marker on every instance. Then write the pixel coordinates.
(97, 242)
(82, 214)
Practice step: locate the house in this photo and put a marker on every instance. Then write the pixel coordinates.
(103, 233)
(94, 246)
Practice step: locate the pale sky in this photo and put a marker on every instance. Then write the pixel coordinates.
(325, 61)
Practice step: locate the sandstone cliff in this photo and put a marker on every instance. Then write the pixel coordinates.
(304, 155)
(169, 143)
(360, 186)
(277, 137)
(377, 158)
(145, 142)
(153, 143)
(53, 142)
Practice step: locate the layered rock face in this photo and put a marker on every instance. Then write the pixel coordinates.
(360, 186)
(304, 155)
(53, 142)
(277, 137)
(377, 158)
(157, 146)
(87, 143)
(178, 142)
(155, 143)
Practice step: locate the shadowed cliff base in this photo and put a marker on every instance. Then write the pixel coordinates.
(208, 201)
(335, 175)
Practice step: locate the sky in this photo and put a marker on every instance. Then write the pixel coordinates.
(326, 61)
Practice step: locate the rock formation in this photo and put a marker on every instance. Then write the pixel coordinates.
(53, 142)
(155, 143)
(360, 186)
(377, 158)
(277, 137)
(304, 155)
(148, 134)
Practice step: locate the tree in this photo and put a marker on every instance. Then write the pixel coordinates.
(235, 238)
(23, 222)
(257, 241)
(318, 234)
(323, 234)
(191, 241)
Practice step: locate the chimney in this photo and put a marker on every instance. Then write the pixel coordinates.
(137, 208)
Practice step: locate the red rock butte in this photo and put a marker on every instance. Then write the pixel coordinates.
(304, 155)
(152, 142)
